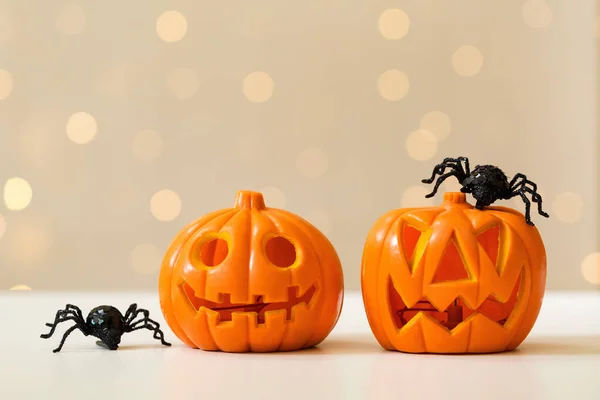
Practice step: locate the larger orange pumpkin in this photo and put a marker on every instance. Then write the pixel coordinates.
(251, 278)
(453, 279)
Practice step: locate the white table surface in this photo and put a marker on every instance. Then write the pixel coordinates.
(559, 360)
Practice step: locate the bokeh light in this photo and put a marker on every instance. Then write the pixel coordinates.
(393, 24)
(17, 193)
(171, 26)
(258, 87)
(165, 205)
(81, 127)
(393, 85)
(467, 61)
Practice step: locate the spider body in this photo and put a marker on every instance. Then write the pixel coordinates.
(106, 323)
(487, 184)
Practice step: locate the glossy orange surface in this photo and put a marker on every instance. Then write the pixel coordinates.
(452, 279)
(251, 278)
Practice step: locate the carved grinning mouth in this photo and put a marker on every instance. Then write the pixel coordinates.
(225, 307)
(457, 312)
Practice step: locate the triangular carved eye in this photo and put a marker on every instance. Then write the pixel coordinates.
(410, 237)
(489, 240)
(451, 266)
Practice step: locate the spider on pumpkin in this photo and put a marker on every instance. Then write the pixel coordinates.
(487, 183)
(105, 323)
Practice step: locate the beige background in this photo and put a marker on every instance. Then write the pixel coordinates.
(121, 121)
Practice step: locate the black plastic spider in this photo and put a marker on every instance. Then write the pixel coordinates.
(487, 183)
(105, 323)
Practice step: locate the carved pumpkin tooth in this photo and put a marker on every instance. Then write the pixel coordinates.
(467, 263)
(274, 317)
(246, 266)
(300, 308)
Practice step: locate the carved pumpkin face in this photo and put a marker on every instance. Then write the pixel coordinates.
(251, 278)
(453, 279)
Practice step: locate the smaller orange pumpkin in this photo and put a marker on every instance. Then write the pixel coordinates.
(452, 278)
(251, 278)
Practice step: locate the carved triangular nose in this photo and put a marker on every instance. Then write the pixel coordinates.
(451, 266)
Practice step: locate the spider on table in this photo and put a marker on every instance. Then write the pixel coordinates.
(105, 323)
(487, 183)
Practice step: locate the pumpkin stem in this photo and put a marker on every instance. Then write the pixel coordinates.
(249, 199)
(455, 197)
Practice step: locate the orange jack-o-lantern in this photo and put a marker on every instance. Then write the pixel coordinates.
(251, 278)
(452, 278)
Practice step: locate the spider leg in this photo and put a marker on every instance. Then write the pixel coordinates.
(71, 307)
(67, 333)
(536, 199)
(441, 168)
(521, 186)
(438, 169)
(145, 322)
(467, 166)
(150, 325)
(134, 314)
(527, 206)
(62, 316)
(130, 313)
(55, 324)
(439, 182)
(514, 185)
(466, 170)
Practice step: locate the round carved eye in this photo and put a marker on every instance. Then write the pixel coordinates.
(280, 251)
(213, 252)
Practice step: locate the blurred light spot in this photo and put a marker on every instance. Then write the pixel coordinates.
(421, 145)
(320, 219)
(20, 287)
(393, 85)
(147, 145)
(312, 162)
(567, 207)
(71, 20)
(590, 268)
(414, 196)
(81, 127)
(437, 123)
(165, 205)
(17, 193)
(274, 197)
(29, 243)
(258, 87)
(6, 84)
(183, 83)
(393, 24)
(536, 13)
(467, 61)
(171, 26)
(146, 259)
